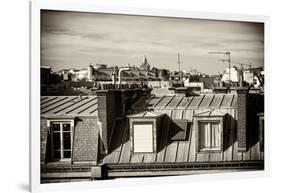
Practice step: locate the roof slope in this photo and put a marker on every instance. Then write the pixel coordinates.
(193, 102)
(69, 106)
(182, 108)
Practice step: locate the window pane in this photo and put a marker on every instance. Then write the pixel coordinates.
(208, 136)
(66, 154)
(56, 140)
(143, 138)
(66, 127)
(56, 127)
(57, 155)
(66, 140)
(215, 136)
(61, 140)
(204, 135)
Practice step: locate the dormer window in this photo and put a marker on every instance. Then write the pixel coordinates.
(144, 129)
(61, 132)
(143, 137)
(209, 135)
(209, 131)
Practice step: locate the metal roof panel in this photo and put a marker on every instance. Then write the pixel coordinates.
(195, 102)
(69, 106)
(206, 101)
(175, 102)
(164, 102)
(185, 102)
(217, 101)
(227, 100)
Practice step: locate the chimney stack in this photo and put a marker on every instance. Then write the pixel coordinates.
(220, 90)
(109, 106)
(242, 103)
(112, 104)
(90, 72)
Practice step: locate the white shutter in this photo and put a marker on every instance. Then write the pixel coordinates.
(143, 138)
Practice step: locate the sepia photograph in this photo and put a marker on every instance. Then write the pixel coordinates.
(126, 96)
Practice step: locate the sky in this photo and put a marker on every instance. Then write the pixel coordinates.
(76, 39)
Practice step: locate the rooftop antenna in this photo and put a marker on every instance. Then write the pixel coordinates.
(179, 62)
(225, 60)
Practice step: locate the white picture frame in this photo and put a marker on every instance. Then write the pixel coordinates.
(36, 6)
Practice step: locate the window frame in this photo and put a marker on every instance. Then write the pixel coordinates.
(145, 117)
(215, 119)
(209, 127)
(50, 126)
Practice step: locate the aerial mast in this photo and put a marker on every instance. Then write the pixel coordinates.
(179, 62)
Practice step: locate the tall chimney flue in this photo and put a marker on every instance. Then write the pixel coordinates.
(242, 104)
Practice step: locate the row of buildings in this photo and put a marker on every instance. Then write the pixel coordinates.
(131, 132)
(101, 73)
(126, 128)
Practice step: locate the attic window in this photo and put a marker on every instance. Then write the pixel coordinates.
(209, 135)
(144, 129)
(143, 137)
(61, 139)
(209, 131)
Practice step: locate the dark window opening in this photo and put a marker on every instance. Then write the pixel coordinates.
(61, 141)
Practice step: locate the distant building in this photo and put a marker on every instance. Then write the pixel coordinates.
(90, 73)
(81, 75)
(131, 76)
(194, 86)
(164, 74)
(51, 83)
(100, 66)
(45, 72)
(207, 81)
(230, 75)
(145, 65)
(248, 77)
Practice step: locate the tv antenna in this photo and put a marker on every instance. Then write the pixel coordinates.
(179, 62)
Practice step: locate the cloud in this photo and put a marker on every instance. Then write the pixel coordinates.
(73, 39)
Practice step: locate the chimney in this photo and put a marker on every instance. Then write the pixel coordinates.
(242, 103)
(113, 104)
(220, 90)
(181, 91)
(240, 74)
(90, 72)
(109, 107)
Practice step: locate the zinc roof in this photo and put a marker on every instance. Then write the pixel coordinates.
(69, 106)
(192, 102)
(171, 149)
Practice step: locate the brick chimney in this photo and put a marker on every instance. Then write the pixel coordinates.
(109, 108)
(113, 104)
(242, 103)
